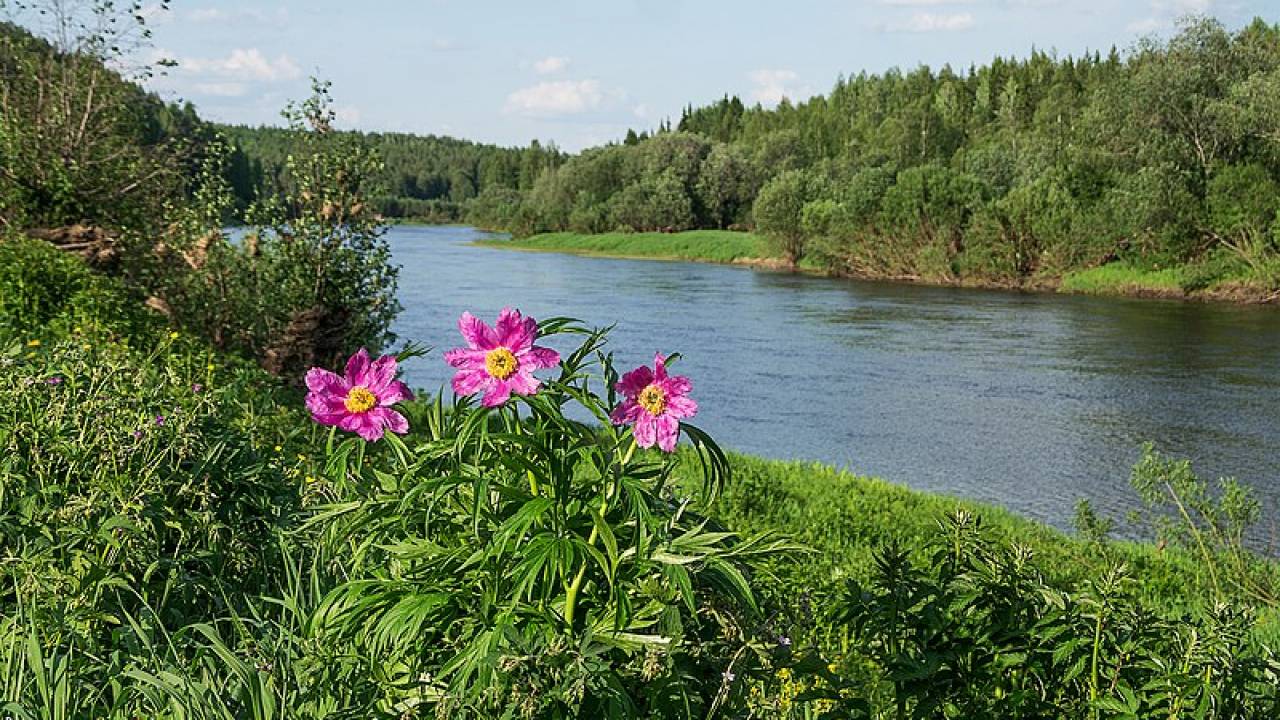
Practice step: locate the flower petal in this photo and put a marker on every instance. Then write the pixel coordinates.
(675, 385)
(322, 381)
(646, 430)
(635, 381)
(659, 367)
(628, 412)
(539, 358)
(394, 393)
(477, 334)
(515, 332)
(681, 407)
(523, 382)
(469, 382)
(668, 430)
(326, 409)
(392, 420)
(497, 394)
(465, 357)
(382, 372)
(362, 424)
(358, 368)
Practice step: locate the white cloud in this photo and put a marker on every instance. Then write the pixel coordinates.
(559, 97)
(238, 16)
(771, 86)
(550, 65)
(245, 64)
(925, 22)
(1144, 26)
(220, 89)
(1164, 14)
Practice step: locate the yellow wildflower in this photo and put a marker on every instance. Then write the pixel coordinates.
(33, 343)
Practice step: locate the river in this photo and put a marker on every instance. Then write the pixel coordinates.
(1031, 401)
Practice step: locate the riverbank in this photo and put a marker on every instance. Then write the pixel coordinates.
(1118, 279)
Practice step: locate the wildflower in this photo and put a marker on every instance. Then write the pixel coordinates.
(784, 641)
(55, 380)
(33, 343)
(277, 448)
(209, 367)
(729, 676)
(173, 335)
(655, 403)
(310, 479)
(197, 388)
(360, 401)
(159, 420)
(499, 360)
(137, 434)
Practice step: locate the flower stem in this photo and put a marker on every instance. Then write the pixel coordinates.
(571, 592)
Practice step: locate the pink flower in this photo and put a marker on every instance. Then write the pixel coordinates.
(361, 401)
(655, 404)
(499, 360)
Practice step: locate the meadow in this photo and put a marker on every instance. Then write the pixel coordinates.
(181, 539)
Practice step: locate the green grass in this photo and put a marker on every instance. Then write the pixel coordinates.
(721, 246)
(844, 518)
(1125, 279)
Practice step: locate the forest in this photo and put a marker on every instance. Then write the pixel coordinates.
(1166, 154)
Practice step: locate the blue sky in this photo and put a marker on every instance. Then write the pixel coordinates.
(580, 73)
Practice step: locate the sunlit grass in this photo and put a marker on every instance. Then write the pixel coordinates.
(721, 246)
(1125, 279)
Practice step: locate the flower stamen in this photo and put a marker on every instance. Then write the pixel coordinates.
(359, 400)
(653, 399)
(500, 363)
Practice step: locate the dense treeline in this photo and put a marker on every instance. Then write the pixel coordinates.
(79, 142)
(1168, 154)
(423, 177)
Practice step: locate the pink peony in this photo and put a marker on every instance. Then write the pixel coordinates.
(655, 404)
(499, 360)
(361, 401)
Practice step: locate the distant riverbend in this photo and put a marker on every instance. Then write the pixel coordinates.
(1027, 400)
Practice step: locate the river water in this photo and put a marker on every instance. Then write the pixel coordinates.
(1030, 401)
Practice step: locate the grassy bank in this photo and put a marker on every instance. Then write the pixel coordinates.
(719, 246)
(1222, 279)
(845, 518)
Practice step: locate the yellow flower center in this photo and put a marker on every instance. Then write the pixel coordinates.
(500, 363)
(653, 399)
(359, 400)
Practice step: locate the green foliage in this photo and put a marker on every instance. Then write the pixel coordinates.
(1209, 522)
(79, 143)
(518, 561)
(976, 631)
(779, 212)
(46, 287)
